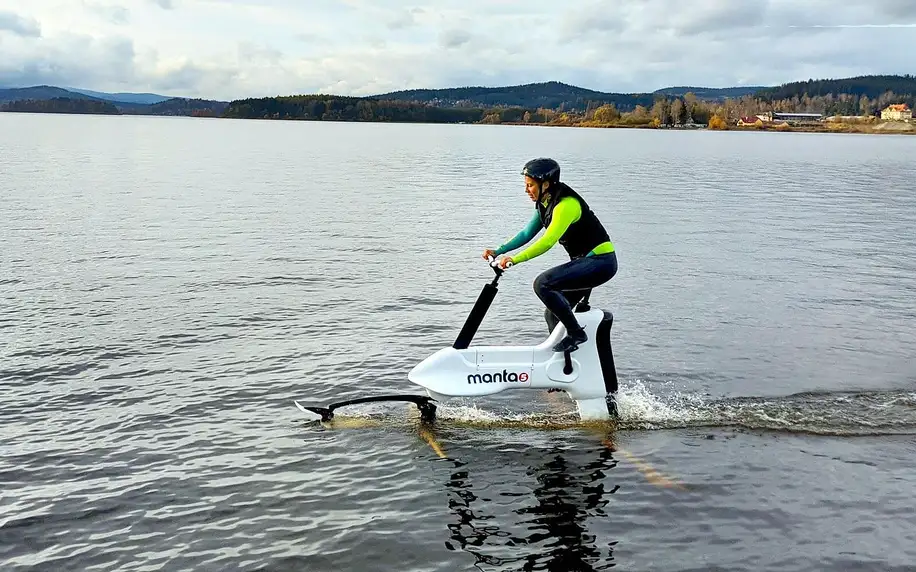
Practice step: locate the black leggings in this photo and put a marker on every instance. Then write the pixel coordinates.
(563, 286)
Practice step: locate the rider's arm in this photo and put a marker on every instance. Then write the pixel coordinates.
(565, 213)
(523, 236)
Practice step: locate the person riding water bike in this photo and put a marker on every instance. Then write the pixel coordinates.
(569, 221)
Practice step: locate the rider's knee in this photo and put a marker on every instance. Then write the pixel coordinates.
(541, 283)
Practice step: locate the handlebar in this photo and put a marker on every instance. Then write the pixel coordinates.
(491, 260)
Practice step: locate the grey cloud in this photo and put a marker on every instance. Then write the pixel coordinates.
(164, 4)
(817, 14)
(26, 27)
(715, 24)
(786, 18)
(898, 9)
(845, 52)
(191, 77)
(716, 15)
(110, 64)
(720, 20)
(454, 38)
(405, 19)
(601, 18)
(76, 60)
(718, 45)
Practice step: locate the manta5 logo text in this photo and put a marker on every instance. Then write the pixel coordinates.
(498, 377)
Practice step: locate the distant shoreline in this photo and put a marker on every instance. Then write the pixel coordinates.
(857, 104)
(880, 128)
(861, 128)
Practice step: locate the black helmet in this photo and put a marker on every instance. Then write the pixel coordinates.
(542, 170)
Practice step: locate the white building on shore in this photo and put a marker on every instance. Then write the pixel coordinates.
(897, 112)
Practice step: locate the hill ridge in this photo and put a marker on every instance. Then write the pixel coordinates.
(553, 95)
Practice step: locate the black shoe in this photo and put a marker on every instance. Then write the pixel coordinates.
(571, 341)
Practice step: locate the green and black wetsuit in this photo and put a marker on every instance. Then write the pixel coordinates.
(568, 220)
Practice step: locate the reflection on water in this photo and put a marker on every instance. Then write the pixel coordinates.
(553, 529)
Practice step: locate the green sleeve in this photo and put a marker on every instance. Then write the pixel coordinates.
(523, 236)
(565, 213)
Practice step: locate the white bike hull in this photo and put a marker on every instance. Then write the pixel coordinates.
(588, 376)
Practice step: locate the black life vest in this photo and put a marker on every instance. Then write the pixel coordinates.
(581, 236)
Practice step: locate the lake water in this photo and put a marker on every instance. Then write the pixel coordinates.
(170, 285)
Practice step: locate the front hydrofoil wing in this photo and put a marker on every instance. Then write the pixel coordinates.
(424, 404)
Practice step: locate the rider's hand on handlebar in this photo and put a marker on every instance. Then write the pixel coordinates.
(488, 254)
(505, 261)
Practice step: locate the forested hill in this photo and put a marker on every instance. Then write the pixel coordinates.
(710, 93)
(39, 92)
(53, 99)
(562, 97)
(871, 86)
(548, 95)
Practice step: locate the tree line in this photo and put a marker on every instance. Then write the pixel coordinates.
(180, 106)
(658, 110)
(61, 105)
(345, 108)
(555, 103)
(690, 109)
(665, 110)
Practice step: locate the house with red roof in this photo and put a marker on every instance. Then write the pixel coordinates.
(897, 112)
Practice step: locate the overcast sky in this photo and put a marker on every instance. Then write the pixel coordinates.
(227, 49)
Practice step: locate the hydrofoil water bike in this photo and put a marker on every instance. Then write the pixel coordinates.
(587, 373)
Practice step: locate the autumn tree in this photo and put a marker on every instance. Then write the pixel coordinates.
(639, 116)
(641, 113)
(661, 112)
(678, 111)
(547, 114)
(607, 114)
(717, 122)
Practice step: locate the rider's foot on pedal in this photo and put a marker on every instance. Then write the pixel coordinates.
(571, 341)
